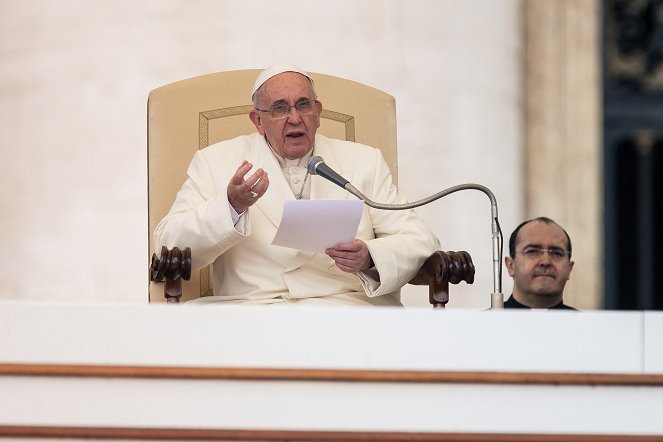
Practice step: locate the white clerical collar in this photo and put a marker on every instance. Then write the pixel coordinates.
(286, 163)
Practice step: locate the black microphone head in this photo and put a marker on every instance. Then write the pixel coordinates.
(313, 163)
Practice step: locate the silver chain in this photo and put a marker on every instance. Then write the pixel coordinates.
(301, 191)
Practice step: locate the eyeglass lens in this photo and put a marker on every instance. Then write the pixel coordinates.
(281, 110)
(553, 252)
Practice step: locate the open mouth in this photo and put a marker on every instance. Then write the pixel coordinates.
(295, 135)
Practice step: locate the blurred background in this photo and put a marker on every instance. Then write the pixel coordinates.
(555, 106)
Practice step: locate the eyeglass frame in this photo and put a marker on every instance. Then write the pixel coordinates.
(313, 102)
(555, 253)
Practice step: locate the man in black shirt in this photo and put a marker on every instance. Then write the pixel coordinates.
(540, 264)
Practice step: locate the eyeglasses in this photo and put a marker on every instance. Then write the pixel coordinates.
(282, 110)
(555, 253)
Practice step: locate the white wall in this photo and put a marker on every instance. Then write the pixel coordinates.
(74, 80)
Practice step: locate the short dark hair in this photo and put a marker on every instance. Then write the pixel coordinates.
(514, 236)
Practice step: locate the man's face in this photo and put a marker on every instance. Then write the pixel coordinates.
(544, 275)
(293, 136)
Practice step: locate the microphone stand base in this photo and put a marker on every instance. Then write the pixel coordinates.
(496, 301)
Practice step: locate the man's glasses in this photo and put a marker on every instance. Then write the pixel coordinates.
(555, 253)
(282, 110)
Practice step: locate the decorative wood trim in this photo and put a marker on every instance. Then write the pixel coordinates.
(260, 374)
(347, 120)
(331, 375)
(308, 436)
(205, 116)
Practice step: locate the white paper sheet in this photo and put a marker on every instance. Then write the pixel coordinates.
(316, 225)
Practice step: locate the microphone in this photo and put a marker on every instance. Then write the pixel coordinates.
(316, 166)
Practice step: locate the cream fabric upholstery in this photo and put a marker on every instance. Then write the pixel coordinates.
(191, 114)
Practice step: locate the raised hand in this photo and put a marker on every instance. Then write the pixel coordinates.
(242, 193)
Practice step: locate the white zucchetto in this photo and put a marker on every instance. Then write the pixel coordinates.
(276, 69)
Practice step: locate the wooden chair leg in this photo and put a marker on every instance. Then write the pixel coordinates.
(441, 269)
(172, 266)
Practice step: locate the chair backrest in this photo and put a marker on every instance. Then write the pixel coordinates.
(191, 114)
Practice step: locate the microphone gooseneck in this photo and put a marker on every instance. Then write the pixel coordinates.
(316, 166)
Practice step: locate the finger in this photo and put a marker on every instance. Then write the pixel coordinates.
(337, 255)
(238, 178)
(255, 187)
(347, 262)
(254, 179)
(352, 246)
(261, 186)
(347, 268)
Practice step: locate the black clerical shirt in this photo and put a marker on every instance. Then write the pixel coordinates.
(512, 303)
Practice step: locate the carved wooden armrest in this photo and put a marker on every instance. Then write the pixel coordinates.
(442, 268)
(173, 266)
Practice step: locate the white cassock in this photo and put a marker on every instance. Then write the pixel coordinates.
(247, 268)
